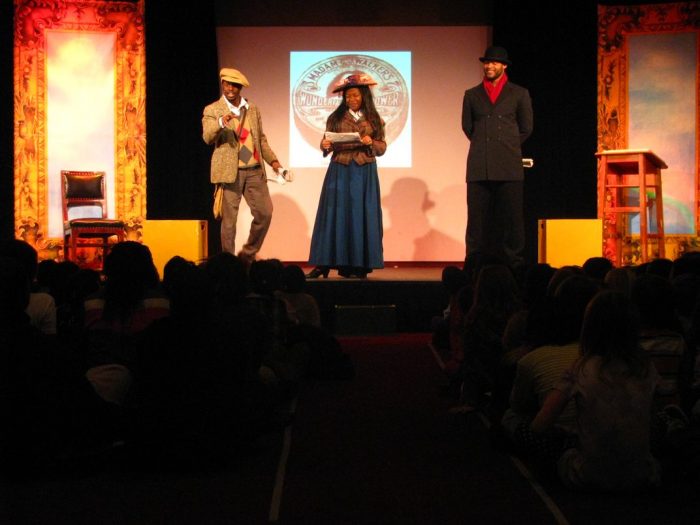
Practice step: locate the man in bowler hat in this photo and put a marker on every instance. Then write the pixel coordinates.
(496, 118)
(234, 126)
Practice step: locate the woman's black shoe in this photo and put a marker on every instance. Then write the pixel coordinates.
(360, 273)
(318, 272)
(344, 272)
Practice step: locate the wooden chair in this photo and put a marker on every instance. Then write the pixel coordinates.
(85, 213)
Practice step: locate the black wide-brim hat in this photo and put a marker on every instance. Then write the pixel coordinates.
(496, 54)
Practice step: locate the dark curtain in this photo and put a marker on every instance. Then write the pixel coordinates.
(553, 50)
(181, 78)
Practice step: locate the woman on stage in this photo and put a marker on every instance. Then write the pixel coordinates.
(348, 230)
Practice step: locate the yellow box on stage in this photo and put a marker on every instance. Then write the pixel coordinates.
(564, 242)
(166, 238)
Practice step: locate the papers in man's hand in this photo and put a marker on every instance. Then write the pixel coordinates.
(281, 176)
(342, 137)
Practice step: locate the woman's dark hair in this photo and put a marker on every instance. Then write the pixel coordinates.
(367, 109)
(293, 278)
(129, 273)
(611, 331)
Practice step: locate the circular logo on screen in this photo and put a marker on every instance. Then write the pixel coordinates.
(313, 99)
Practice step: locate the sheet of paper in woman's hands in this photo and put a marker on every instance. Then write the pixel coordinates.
(342, 137)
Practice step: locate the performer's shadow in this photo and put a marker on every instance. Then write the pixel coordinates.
(411, 236)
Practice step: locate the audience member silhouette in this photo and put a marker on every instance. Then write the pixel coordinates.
(620, 279)
(539, 370)
(596, 268)
(496, 298)
(302, 308)
(448, 328)
(42, 307)
(612, 385)
(50, 413)
(130, 300)
(197, 399)
(661, 267)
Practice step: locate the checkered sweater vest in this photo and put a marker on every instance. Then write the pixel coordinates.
(248, 156)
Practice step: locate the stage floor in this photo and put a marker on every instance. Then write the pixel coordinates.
(391, 273)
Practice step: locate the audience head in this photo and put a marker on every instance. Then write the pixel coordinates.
(571, 298)
(597, 267)
(173, 266)
(686, 290)
(14, 288)
(46, 274)
(496, 290)
(654, 298)
(22, 252)
(660, 267)
(560, 275)
(229, 275)
(611, 330)
(475, 262)
(131, 261)
(190, 291)
(59, 279)
(129, 272)
(266, 276)
(81, 284)
(620, 279)
(536, 280)
(454, 279)
(689, 262)
(293, 278)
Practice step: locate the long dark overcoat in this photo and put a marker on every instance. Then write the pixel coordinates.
(496, 132)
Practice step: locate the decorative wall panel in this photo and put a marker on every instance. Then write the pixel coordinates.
(648, 92)
(33, 19)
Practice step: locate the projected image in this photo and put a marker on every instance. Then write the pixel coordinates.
(313, 75)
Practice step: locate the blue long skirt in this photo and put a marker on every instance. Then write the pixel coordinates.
(348, 229)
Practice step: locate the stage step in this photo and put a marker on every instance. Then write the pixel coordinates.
(374, 306)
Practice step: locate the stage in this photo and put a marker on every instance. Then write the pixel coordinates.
(395, 299)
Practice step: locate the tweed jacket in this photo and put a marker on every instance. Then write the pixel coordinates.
(496, 132)
(344, 153)
(224, 160)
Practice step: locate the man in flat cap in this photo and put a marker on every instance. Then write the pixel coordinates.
(496, 118)
(234, 126)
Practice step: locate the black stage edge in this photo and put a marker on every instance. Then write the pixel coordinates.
(381, 304)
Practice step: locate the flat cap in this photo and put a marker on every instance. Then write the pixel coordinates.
(233, 75)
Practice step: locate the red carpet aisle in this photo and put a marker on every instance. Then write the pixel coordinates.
(383, 449)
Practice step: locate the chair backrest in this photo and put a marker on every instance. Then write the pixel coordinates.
(83, 195)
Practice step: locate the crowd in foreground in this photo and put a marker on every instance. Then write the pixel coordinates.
(589, 372)
(186, 371)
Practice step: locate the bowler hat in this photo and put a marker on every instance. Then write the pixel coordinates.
(234, 76)
(496, 54)
(354, 80)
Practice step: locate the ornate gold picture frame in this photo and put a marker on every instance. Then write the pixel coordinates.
(616, 26)
(32, 20)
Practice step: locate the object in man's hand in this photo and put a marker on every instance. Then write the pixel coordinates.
(282, 176)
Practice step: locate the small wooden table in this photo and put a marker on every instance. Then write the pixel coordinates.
(620, 172)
